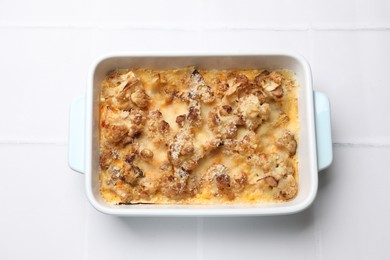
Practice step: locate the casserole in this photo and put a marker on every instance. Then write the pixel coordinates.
(315, 146)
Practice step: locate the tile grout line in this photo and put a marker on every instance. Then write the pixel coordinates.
(199, 238)
(86, 233)
(190, 28)
(362, 145)
(58, 143)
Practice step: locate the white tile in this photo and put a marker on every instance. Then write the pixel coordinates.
(256, 41)
(24, 12)
(350, 14)
(149, 13)
(351, 68)
(281, 14)
(157, 14)
(256, 14)
(42, 70)
(352, 208)
(140, 238)
(282, 237)
(204, 14)
(43, 206)
(133, 40)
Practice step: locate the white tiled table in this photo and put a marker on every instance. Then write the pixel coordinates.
(46, 50)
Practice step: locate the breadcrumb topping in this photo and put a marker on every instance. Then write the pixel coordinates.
(195, 136)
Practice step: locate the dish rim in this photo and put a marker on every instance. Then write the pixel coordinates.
(193, 210)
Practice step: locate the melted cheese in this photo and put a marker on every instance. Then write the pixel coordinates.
(257, 162)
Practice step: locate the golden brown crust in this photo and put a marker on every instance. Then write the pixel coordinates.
(192, 136)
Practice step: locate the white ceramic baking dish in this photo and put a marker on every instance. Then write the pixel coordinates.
(315, 144)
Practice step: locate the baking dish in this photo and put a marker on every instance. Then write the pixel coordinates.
(315, 143)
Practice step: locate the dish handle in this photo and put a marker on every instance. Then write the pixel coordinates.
(76, 144)
(323, 131)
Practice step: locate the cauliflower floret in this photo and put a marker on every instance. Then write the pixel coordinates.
(288, 142)
(253, 112)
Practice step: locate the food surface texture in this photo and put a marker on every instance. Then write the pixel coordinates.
(196, 136)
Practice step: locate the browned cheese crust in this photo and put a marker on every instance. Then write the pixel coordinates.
(194, 136)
